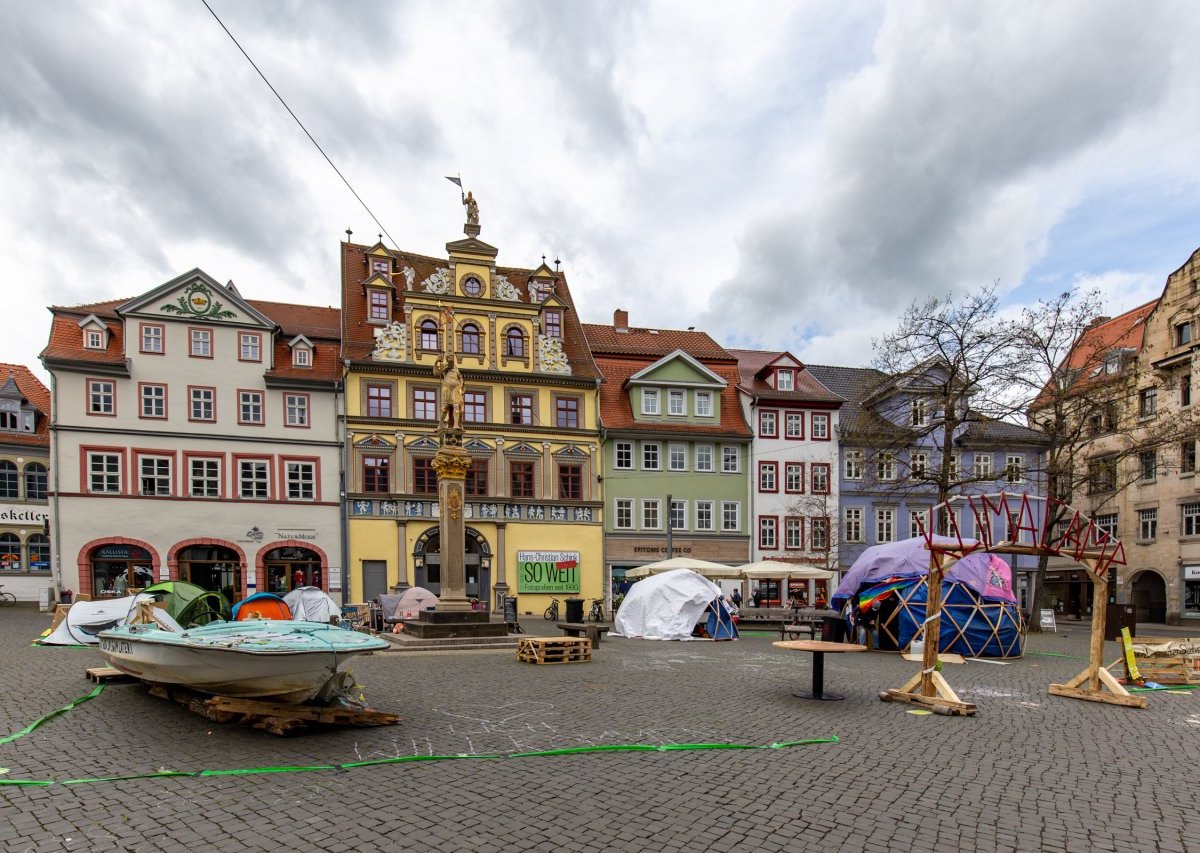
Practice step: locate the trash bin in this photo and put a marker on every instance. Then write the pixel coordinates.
(1118, 616)
(833, 629)
(510, 608)
(574, 609)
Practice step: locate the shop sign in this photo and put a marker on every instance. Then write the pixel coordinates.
(1191, 573)
(547, 571)
(121, 552)
(23, 514)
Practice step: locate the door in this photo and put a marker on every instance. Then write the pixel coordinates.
(1150, 597)
(374, 579)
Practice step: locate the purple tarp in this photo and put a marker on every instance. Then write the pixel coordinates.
(987, 574)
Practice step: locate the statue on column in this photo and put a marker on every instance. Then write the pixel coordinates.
(446, 368)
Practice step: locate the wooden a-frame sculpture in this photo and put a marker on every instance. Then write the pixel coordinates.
(1015, 524)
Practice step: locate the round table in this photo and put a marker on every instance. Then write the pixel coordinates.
(818, 649)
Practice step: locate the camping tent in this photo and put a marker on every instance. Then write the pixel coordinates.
(262, 605)
(190, 604)
(979, 613)
(310, 604)
(397, 608)
(86, 619)
(701, 567)
(667, 607)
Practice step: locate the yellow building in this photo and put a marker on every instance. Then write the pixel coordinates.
(534, 508)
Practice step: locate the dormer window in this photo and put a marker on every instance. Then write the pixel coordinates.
(554, 324)
(302, 357)
(540, 290)
(381, 265)
(783, 380)
(650, 401)
(380, 305)
(93, 339)
(472, 286)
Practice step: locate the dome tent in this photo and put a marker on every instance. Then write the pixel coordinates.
(667, 607)
(190, 604)
(980, 617)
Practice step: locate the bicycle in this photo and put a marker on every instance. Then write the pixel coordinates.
(7, 599)
(597, 611)
(551, 613)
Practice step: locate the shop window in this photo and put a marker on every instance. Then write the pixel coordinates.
(9, 482)
(10, 553)
(38, 547)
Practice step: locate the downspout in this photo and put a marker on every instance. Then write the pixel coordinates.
(344, 520)
(56, 539)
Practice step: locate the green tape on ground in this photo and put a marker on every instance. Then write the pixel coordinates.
(162, 774)
(248, 771)
(1055, 655)
(47, 717)
(787, 744)
(41, 783)
(404, 759)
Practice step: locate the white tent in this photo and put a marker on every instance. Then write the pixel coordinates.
(86, 619)
(701, 567)
(771, 569)
(310, 604)
(408, 605)
(665, 606)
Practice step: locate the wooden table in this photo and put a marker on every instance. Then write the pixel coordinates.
(818, 649)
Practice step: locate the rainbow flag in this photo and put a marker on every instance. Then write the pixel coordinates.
(876, 593)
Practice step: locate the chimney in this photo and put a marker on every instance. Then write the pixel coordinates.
(1096, 321)
(621, 320)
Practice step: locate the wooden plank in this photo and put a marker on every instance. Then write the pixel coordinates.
(105, 674)
(960, 708)
(1097, 696)
(944, 657)
(310, 713)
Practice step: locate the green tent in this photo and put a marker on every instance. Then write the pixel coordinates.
(190, 604)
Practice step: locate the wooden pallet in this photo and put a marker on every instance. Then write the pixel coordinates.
(554, 650)
(105, 674)
(278, 718)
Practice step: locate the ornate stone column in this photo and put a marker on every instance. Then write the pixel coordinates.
(501, 585)
(451, 464)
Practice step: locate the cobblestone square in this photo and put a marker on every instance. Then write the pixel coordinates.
(1030, 772)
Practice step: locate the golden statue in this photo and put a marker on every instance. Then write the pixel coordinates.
(472, 208)
(446, 367)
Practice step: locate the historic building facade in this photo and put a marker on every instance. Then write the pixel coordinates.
(529, 405)
(24, 483)
(196, 437)
(794, 484)
(890, 445)
(676, 447)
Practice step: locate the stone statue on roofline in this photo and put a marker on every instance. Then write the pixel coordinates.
(472, 208)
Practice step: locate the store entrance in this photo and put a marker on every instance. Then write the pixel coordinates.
(477, 563)
(1150, 597)
(117, 569)
(288, 568)
(214, 568)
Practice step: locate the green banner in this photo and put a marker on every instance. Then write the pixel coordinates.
(547, 571)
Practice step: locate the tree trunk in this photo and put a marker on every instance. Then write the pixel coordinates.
(1039, 591)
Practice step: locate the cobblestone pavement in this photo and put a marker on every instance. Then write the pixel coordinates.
(1030, 772)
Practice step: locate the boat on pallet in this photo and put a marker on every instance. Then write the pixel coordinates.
(293, 662)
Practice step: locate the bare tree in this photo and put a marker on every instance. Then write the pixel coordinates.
(1080, 376)
(946, 372)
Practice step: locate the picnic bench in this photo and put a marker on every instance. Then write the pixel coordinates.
(593, 632)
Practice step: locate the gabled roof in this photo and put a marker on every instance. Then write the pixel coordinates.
(651, 342)
(753, 367)
(616, 412)
(38, 395)
(1085, 363)
(195, 275)
(855, 384)
(1000, 432)
(679, 355)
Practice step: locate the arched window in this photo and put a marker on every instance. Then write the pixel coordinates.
(514, 342)
(470, 339)
(8, 480)
(429, 335)
(10, 552)
(39, 553)
(35, 482)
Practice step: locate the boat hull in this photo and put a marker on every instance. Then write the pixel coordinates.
(231, 663)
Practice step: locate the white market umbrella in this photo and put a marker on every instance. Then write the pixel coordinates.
(772, 569)
(700, 567)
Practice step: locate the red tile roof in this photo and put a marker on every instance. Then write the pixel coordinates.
(38, 395)
(656, 342)
(616, 413)
(807, 387)
(358, 335)
(1087, 357)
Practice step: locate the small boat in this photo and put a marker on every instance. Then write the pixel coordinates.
(255, 659)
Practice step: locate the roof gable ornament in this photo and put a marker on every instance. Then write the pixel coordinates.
(550, 355)
(504, 289)
(391, 342)
(438, 283)
(197, 302)
(424, 443)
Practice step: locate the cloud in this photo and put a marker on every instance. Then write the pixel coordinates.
(944, 163)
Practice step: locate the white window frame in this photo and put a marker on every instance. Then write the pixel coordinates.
(250, 401)
(158, 470)
(676, 403)
(295, 408)
(623, 448)
(768, 533)
(728, 452)
(728, 507)
(768, 423)
(793, 419)
(152, 338)
(704, 516)
(885, 466)
(250, 342)
(705, 410)
(852, 524)
(854, 465)
(102, 397)
(199, 472)
(657, 452)
(156, 397)
(678, 511)
(918, 466)
(300, 475)
(1147, 524)
(793, 478)
(793, 524)
(196, 396)
(651, 506)
(821, 542)
(885, 525)
(785, 379)
(914, 529)
(1014, 468)
(93, 339)
(254, 472)
(650, 401)
(982, 466)
(677, 452)
(821, 434)
(704, 457)
(200, 343)
(104, 469)
(623, 505)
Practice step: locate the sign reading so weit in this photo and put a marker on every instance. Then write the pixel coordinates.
(547, 571)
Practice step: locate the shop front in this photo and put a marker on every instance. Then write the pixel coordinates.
(216, 568)
(289, 567)
(1070, 594)
(118, 568)
(1191, 592)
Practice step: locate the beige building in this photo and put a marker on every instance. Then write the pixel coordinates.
(195, 437)
(24, 483)
(1140, 481)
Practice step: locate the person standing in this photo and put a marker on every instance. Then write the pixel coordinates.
(736, 598)
(756, 597)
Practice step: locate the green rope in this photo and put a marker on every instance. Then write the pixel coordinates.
(52, 715)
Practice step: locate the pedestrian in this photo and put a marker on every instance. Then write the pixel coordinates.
(756, 597)
(736, 598)
(871, 625)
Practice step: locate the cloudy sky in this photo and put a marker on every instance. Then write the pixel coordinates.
(784, 175)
